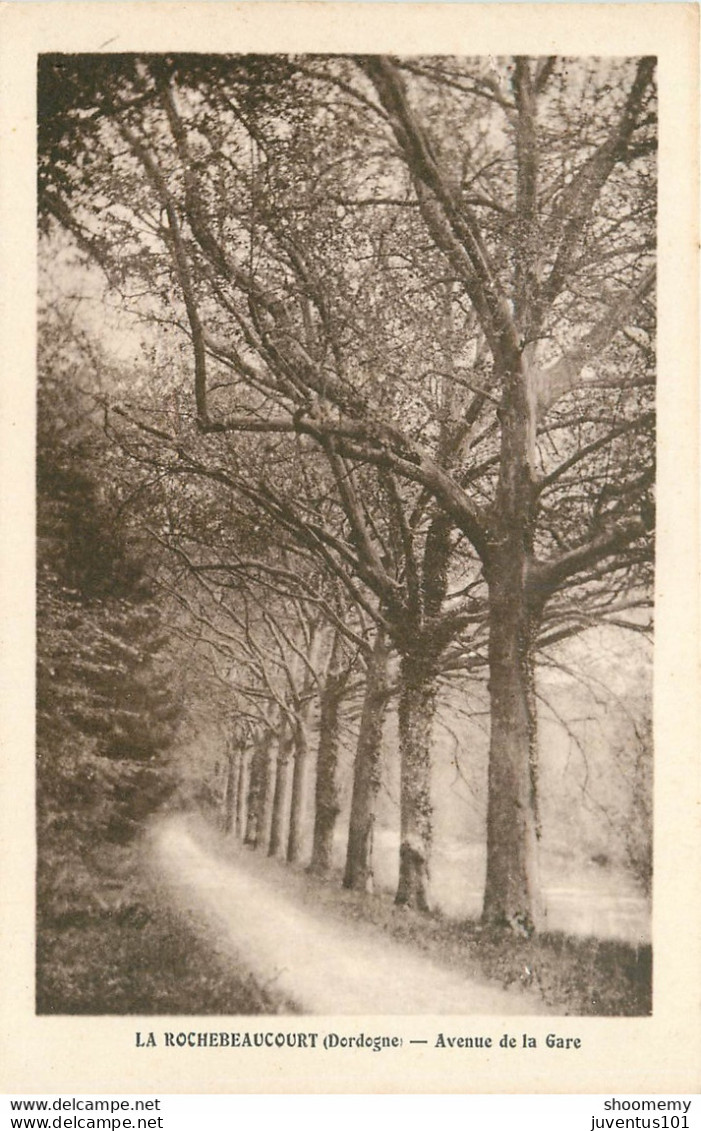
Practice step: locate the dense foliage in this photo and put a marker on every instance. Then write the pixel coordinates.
(417, 299)
(107, 710)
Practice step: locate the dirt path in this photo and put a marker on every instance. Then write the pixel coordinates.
(323, 966)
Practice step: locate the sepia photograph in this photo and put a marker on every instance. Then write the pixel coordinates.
(365, 548)
(346, 526)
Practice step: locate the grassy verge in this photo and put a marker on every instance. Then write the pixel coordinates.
(574, 976)
(117, 949)
(110, 944)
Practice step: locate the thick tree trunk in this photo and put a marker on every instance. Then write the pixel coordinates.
(258, 775)
(367, 771)
(265, 792)
(249, 834)
(299, 783)
(417, 705)
(232, 773)
(241, 794)
(327, 801)
(277, 822)
(512, 893)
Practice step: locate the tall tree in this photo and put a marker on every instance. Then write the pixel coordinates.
(558, 239)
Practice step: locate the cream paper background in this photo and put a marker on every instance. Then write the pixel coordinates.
(660, 1054)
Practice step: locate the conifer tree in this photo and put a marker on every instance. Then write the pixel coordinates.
(107, 708)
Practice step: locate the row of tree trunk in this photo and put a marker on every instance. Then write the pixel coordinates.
(266, 810)
(266, 786)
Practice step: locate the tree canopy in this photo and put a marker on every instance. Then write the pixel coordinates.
(417, 298)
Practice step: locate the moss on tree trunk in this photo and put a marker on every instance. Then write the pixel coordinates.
(417, 704)
(367, 770)
(282, 769)
(326, 797)
(299, 782)
(512, 893)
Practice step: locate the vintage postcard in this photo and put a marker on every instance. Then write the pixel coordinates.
(350, 548)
